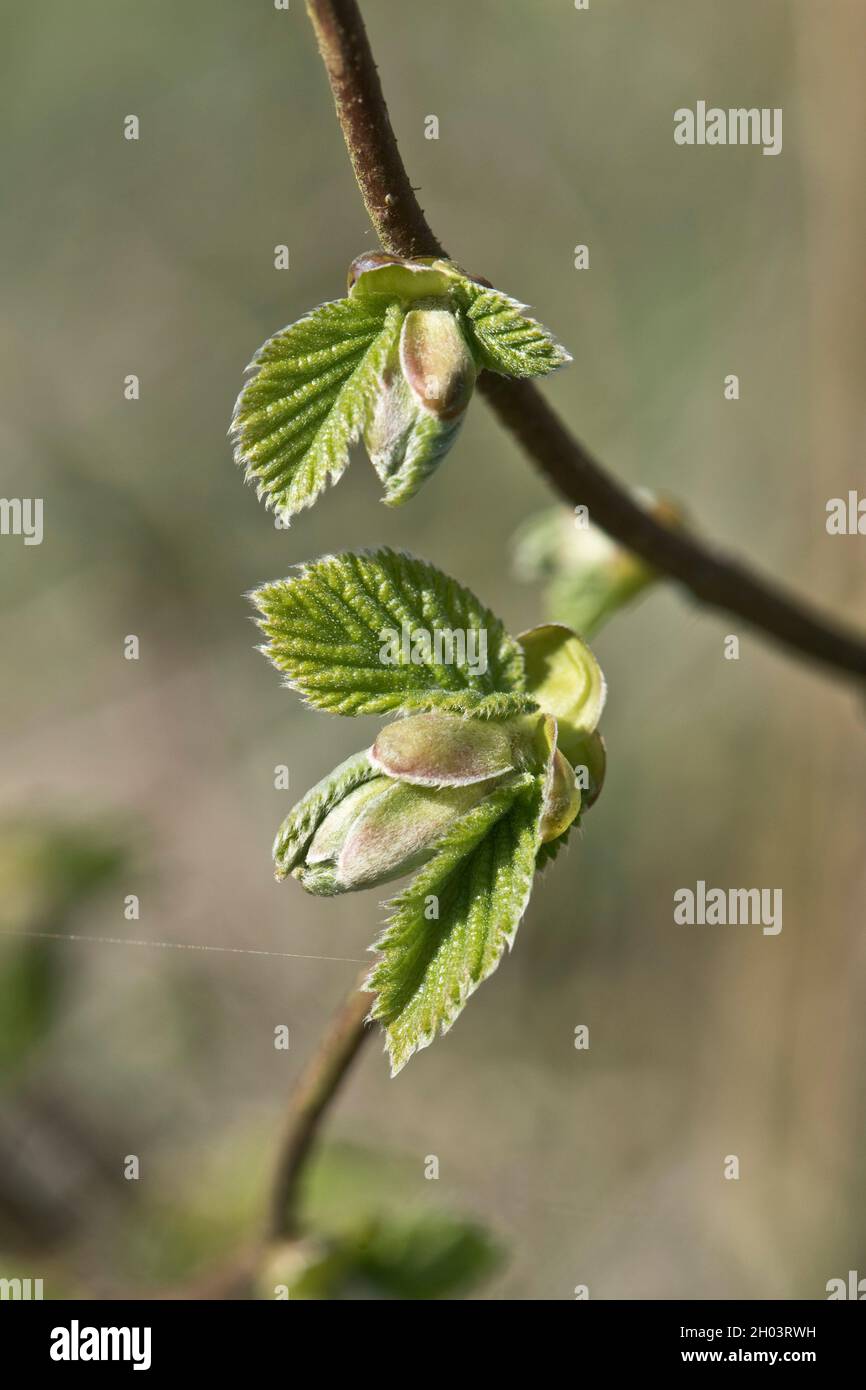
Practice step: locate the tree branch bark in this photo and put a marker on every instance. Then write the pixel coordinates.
(399, 221)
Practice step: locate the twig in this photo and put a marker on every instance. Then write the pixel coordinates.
(402, 228)
(317, 1088)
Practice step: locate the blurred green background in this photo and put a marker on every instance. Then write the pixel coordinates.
(156, 777)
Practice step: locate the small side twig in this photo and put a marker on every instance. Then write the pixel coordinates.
(402, 228)
(313, 1095)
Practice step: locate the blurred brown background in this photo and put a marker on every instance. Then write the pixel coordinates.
(155, 777)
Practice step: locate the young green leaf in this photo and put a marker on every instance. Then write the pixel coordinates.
(381, 631)
(309, 399)
(420, 447)
(480, 880)
(505, 339)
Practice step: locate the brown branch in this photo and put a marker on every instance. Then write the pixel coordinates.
(712, 578)
(316, 1090)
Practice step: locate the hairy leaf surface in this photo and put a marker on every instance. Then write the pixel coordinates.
(505, 339)
(480, 880)
(381, 631)
(309, 399)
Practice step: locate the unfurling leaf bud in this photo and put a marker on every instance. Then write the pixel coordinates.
(423, 774)
(425, 389)
(380, 832)
(394, 362)
(436, 362)
(473, 789)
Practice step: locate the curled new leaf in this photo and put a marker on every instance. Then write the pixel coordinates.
(437, 750)
(426, 387)
(566, 680)
(383, 830)
(302, 822)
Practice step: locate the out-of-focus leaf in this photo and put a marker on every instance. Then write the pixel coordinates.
(421, 1257)
(588, 576)
(431, 1257)
(29, 985)
(46, 873)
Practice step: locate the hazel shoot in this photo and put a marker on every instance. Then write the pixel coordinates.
(475, 783)
(395, 362)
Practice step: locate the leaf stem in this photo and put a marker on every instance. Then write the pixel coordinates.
(712, 578)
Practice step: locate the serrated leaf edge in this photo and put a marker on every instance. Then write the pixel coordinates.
(467, 986)
(494, 705)
(356, 427)
(562, 355)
